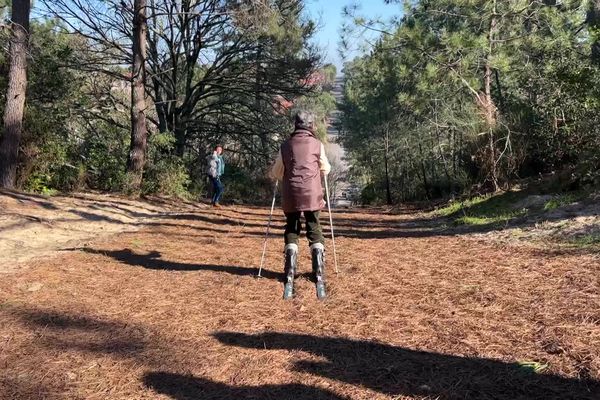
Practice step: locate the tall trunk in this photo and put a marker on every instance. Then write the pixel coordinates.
(139, 132)
(161, 107)
(440, 146)
(490, 107)
(388, 189)
(424, 172)
(160, 100)
(593, 19)
(257, 104)
(402, 184)
(15, 95)
(180, 138)
(432, 163)
(454, 152)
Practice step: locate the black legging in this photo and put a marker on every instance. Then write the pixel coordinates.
(293, 227)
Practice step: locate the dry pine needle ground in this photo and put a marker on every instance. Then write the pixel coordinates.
(172, 311)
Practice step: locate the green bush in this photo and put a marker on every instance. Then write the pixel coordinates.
(105, 154)
(560, 201)
(167, 176)
(247, 187)
(370, 194)
(40, 183)
(485, 210)
(165, 173)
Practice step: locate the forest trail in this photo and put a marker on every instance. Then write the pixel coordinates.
(343, 193)
(169, 308)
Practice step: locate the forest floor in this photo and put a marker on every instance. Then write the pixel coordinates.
(103, 297)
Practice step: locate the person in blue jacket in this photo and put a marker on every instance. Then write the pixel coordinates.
(216, 169)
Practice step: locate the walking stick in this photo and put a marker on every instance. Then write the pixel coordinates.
(331, 226)
(262, 259)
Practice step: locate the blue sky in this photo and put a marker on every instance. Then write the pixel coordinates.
(329, 14)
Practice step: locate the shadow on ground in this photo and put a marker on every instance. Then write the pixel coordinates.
(153, 260)
(390, 370)
(68, 333)
(399, 371)
(184, 387)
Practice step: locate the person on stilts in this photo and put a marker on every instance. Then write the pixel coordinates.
(299, 166)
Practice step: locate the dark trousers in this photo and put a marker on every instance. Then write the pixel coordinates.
(293, 227)
(217, 189)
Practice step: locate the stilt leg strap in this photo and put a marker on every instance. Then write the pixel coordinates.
(291, 246)
(317, 246)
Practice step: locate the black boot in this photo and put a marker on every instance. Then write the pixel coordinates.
(291, 261)
(317, 252)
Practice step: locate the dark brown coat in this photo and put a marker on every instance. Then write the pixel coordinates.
(302, 190)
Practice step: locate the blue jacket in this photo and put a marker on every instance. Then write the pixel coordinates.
(216, 165)
(220, 165)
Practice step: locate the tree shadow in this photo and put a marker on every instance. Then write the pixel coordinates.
(212, 229)
(216, 220)
(569, 251)
(172, 202)
(187, 387)
(67, 332)
(33, 198)
(23, 388)
(496, 213)
(399, 233)
(28, 220)
(351, 227)
(344, 226)
(398, 371)
(96, 217)
(81, 333)
(123, 211)
(152, 260)
(240, 217)
(116, 201)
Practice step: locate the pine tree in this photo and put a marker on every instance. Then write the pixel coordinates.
(15, 98)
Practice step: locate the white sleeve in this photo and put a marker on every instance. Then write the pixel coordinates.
(278, 168)
(324, 162)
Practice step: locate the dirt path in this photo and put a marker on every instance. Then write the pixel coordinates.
(171, 310)
(33, 227)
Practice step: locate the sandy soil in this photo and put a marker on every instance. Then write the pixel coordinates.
(33, 226)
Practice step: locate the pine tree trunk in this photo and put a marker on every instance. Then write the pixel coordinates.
(593, 19)
(15, 96)
(264, 143)
(454, 151)
(388, 188)
(180, 137)
(161, 101)
(424, 172)
(490, 107)
(440, 146)
(139, 132)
